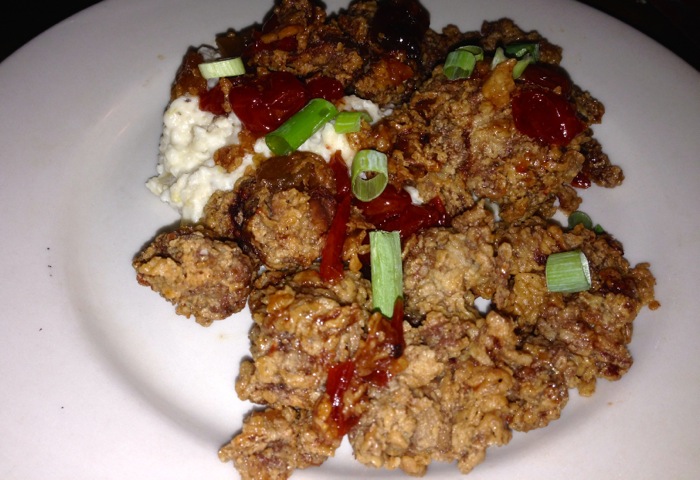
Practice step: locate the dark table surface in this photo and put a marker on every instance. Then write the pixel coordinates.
(673, 23)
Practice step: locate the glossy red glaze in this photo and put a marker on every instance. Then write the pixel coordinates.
(545, 116)
(264, 103)
(339, 379)
(212, 100)
(581, 180)
(325, 87)
(393, 211)
(549, 76)
(400, 25)
(331, 268)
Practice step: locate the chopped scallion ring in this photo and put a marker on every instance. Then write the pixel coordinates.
(568, 272)
(521, 65)
(387, 270)
(348, 122)
(498, 57)
(369, 174)
(580, 217)
(227, 67)
(459, 64)
(475, 50)
(521, 49)
(299, 127)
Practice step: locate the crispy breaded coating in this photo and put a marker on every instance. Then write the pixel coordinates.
(203, 277)
(302, 326)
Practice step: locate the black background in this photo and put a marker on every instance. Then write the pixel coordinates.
(673, 23)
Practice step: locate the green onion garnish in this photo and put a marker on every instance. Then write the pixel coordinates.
(568, 272)
(460, 63)
(521, 65)
(498, 57)
(521, 49)
(369, 174)
(348, 122)
(475, 50)
(299, 127)
(580, 217)
(387, 270)
(227, 67)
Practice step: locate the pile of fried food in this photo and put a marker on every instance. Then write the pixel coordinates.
(442, 380)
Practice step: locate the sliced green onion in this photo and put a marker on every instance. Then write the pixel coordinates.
(387, 270)
(369, 174)
(227, 67)
(568, 272)
(580, 217)
(348, 122)
(521, 65)
(459, 64)
(521, 49)
(498, 57)
(299, 127)
(475, 50)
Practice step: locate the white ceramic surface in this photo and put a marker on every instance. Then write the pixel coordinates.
(99, 379)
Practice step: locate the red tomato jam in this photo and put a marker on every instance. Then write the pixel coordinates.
(325, 87)
(549, 76)
(376, 362)
(394, 211)
(212, 100)
(339, 379)
(332, 266)
(581, 180)
(545, 116)
(264, 103)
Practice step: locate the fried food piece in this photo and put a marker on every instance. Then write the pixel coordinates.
(202, 276)
(380, 51)
(465, 382)
(276, 441)
(268, 211)
(594, 326)
(457, 139)
(446, 269)
(302, 327)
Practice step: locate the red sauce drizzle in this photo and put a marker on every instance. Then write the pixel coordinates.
(379, 358)
(393, 210)
(212, 100)
(339, 379)
(581, 180)
(331, 268)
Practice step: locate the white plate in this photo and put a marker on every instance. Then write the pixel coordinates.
(101, 380)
